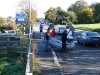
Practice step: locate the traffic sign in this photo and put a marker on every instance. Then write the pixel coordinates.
(21, 18)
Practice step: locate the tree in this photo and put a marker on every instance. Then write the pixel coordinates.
(23, 7)
(2, 21)
(51, 15)
(86, 16)
(72, 16)
(78, 8)
(59, 16)
(96, 11)
(93, 5)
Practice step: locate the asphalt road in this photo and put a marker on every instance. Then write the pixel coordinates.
(82, 60)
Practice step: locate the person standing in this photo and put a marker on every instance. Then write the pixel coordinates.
(47, 37)
(64, 39)
(53, 33)
(41, 29)
(70, 35)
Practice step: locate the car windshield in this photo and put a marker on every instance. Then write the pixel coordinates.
(93, 34)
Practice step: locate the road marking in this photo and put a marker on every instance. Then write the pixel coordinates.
(54, 56)
(56, 60)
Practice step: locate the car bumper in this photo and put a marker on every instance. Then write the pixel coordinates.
(92, 42)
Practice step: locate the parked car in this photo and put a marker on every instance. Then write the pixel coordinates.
(51, 25)
(88, 37)
(68, 25)
(60, 30)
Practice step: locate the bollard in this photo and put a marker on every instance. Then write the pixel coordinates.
(31, 62)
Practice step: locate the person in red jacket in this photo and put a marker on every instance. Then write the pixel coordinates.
(53, 33)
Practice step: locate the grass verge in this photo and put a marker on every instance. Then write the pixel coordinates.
(13, 62)
(36, 70)
(88, 27)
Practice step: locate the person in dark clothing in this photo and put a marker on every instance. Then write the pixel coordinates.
(47, 36)
(64, 39)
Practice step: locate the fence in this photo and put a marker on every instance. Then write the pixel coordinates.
(11, 42)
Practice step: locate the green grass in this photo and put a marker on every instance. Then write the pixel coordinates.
(3, 63)
(88, 27)
(36, 70)
(14, 66)
(12, 63)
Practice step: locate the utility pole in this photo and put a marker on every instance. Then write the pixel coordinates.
(30, 44)
(29, 25)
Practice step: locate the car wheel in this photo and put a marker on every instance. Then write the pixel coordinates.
(78, 41)
(84, 44)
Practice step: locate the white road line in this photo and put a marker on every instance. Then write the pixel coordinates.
(56, 60)
(55, 57)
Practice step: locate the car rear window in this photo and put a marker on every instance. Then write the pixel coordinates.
(93, 34)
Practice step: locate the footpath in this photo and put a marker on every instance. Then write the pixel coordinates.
(45, 59)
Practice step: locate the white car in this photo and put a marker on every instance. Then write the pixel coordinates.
(60, 30)
(68, 25)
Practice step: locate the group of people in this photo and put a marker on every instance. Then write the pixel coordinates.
(66, 36)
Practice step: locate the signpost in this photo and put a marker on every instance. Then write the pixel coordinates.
(21, 19)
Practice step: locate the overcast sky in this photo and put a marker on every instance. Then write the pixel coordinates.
(8, 7)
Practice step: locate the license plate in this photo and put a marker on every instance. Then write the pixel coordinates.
(95, 39)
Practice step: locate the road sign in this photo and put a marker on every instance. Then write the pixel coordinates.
(21, 18)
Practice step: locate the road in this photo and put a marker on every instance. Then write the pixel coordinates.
(82, 60)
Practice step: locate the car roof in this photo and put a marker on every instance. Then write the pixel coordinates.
(89, 32)
(62, 27)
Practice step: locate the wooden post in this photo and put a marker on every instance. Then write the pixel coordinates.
(8, 42)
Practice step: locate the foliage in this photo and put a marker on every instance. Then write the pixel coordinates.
(93, 5)
(13, 65)
(97, 13)
(12, 25)
(51, 15)
(14, 69)
(24, 7)
(72, 16)
(78, 8)
(59, 16)
(2, 21)
(3, 63)
(6, 27)
(86, 16)
(36, 70)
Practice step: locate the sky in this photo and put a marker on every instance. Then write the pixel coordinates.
(8, 7)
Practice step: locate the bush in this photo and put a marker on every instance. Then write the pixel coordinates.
(17, 69)
(5, 27)
(13, 66)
